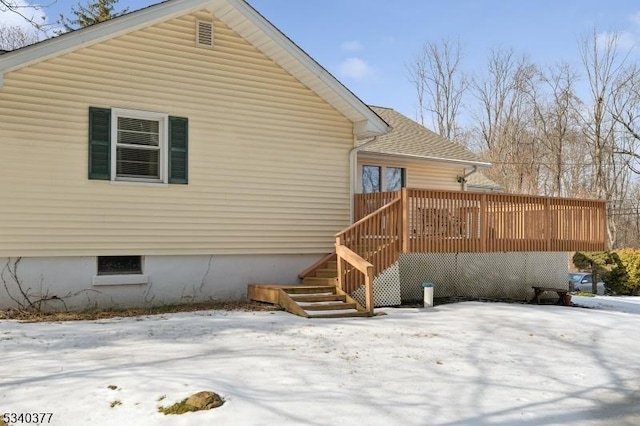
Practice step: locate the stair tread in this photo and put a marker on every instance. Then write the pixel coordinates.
(318, 297)
(329, 306)
(320, 279)
(307, 289)
(326, 273)
(340, 314)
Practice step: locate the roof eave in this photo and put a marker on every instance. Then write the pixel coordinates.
(74, 40)
(489, 187)
(370, 128)
(368, 123)
(481, 164)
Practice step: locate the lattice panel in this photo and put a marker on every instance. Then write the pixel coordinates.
(481, 275)
(386, 288)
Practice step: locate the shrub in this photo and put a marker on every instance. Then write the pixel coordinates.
(630, 259)
(603, 265)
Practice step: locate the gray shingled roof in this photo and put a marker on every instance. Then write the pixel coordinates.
(410, 139)
(480, 181)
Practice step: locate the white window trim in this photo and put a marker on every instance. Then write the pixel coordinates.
(163, 143)
(131, 279)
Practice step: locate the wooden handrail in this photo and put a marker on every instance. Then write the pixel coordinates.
(366, 268)
(316, 265)
(366, 204)
(353, 258)
(368, 217)
(375, 239)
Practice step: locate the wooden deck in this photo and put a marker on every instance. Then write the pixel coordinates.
(435, 221)
(454, 221)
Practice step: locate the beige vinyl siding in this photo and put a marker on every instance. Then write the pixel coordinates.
(419, 174)
(268, 159)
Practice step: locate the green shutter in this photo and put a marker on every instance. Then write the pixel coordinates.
(178, 150)
(99, 143)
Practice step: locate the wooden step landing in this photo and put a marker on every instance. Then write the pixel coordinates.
(309, 301)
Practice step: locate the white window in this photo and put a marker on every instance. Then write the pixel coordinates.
(382, 178)
(139, 153)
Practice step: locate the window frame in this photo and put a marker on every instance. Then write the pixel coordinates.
(103, 273)
(163, 144)
(382, 177)
(403, 177)
(362, 179)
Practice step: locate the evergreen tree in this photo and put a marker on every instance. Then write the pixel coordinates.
(93, 12)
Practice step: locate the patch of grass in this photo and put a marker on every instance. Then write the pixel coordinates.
(95, 314)
(178, 408)
(112, 387)
(116, 403)
(161, 398)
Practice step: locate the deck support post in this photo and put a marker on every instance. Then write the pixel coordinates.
(484, 222)
(339, 265)
(404, 235)
(547, 224)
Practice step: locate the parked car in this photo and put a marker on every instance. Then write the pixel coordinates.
(581, 281)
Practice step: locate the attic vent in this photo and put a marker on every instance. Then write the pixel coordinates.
(204, 34)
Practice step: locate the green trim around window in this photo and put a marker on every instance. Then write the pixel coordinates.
(99, 143)
(178, 150)
(100, 147)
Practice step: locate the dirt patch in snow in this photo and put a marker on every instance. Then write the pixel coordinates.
(94, 314)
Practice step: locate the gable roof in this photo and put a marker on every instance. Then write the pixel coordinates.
(480, 182)
(407, 138)
(240, 17)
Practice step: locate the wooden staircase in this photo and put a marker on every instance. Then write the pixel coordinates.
(324, 272)
(317, 297)
(309, 301)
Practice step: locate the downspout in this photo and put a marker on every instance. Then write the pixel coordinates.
(353, 165)
(463, 179)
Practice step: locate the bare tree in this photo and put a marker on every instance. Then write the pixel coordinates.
(556, 125)
(440, 84)
(505, 118)
(604, 67)
(15, 37)
(26, 11)
(626, 112)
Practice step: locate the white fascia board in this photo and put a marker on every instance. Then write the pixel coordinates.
(74, 40)
(371, 124)
(369, 128)
(418, 158)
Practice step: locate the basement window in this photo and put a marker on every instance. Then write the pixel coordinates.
(119, 265)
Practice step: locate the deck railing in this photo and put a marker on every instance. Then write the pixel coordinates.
(417, 220)
(455, 221)
(376, 241)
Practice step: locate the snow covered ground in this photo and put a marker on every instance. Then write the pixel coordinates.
(458, 364)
